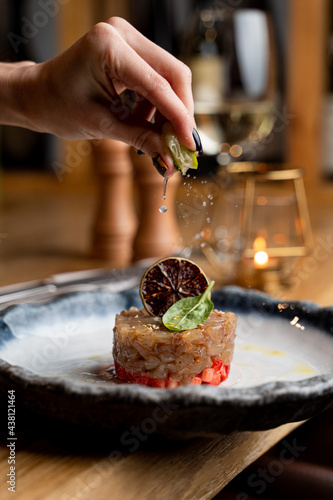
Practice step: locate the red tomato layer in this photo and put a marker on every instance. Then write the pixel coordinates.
(212, 376)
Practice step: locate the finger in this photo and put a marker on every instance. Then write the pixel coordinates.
(139, 133)
(144, 110)
(142, 78)
(159, 77)
(176, 72)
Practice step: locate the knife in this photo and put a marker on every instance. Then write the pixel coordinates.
(114, 280)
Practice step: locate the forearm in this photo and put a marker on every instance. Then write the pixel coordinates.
(18, 94)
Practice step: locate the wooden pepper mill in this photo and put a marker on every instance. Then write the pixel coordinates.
(157, 234)
(115, 222)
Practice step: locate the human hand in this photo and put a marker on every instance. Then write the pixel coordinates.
(76, 95)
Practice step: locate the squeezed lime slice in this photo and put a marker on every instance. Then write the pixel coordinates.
(183, 158)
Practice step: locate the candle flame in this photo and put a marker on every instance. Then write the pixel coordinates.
(261, 256)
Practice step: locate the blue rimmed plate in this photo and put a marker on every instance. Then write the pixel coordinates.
(57, 357)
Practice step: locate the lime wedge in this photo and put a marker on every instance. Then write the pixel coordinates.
(183, 158)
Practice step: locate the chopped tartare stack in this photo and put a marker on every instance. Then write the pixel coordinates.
(148, 352)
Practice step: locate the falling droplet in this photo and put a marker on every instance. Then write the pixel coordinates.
(163, 208)
(165, 183)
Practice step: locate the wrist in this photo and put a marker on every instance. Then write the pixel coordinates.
(19, 99)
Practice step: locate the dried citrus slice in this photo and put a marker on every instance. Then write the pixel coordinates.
(183, 158)
(168, 281)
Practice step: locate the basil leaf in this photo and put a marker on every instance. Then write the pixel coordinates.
(190, 312)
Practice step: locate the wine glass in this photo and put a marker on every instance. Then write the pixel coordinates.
(232, 57)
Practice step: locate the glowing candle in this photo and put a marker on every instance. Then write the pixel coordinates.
(260, 258)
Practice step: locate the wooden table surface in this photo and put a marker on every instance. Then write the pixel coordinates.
(45, 228)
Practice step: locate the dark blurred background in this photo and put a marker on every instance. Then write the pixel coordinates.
(21, 40)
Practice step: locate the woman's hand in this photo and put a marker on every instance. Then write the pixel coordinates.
(76, 95)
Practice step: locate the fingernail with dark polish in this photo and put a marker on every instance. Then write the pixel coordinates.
(159, 164)
(197, 141)
(139, 152)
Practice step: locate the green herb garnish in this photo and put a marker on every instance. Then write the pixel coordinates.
(190, 312)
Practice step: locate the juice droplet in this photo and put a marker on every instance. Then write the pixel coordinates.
(163, 208)
(165, 183)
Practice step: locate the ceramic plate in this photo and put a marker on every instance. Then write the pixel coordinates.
(57, 357)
